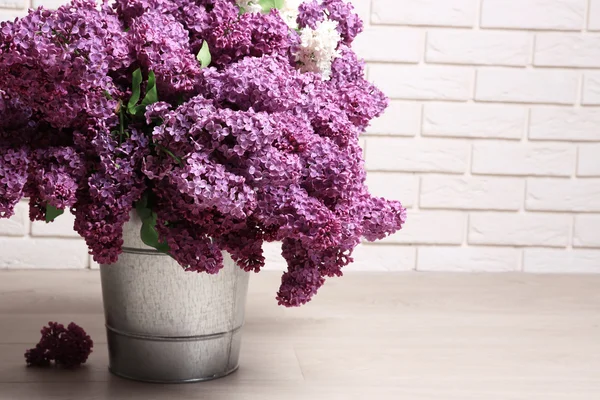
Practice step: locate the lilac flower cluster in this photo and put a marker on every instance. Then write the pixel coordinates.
(68, 347)
(314, 11)
(257, 147)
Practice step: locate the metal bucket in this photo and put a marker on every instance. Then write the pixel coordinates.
(167, 325)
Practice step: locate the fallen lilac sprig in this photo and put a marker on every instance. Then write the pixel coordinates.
(68, 347)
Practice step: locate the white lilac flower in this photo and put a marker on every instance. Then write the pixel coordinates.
(289, 12)
(318, 48)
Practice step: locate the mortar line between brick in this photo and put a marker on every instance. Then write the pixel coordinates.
(588, 12)
(580, 90)
(478, 15)
(570, 243)
(481, 28)
(576, 169)
(533, 45)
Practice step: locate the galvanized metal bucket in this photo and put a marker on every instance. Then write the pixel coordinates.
(167, 325)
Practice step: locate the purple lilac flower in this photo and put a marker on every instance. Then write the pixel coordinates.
(108, 196)
(55, 176)
(68, 347)
(249, 150)
(268, 83)
(50, 56)
(13, 176)
(161, 44)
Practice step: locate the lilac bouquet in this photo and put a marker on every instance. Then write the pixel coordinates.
(223, 123)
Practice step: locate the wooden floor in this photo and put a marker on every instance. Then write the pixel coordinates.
(366, 336)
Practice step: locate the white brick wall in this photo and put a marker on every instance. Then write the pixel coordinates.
(567, 50)
(478, 47)
(588, 163)
(551, 230)
(568, 124)
(534, 14)
(566, 195)
(423, 82)
(424, 12)
(474, 120)
(490, 158)
(591, 88)
(414, 155)
(527, 86)
(586, 231)
(471, 193)
(594, 18)
(492, 139)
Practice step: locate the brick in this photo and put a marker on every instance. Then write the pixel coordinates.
(363, 9)
(467, 259)
(394, 186)
(49, 3)
(428, 155)
(390, 44)
(569, 124)
(12, 14)
(423, 82)
(591, 89)
(534, 14)
(400, 119)
(431, 227)
(478, 47)
(561, 261)
(506, 229)
(474, 120)
(588, 163)
(273, 259)
(18, 224)
(61, 227)
(43, 253)
(373, 257)
(476, 193)
(93, 264)
(13, 4)
(523, 159)
(594, 15)
(587, 231)
(548, 194)
(424, 12)
(527, 86)
(567, 50)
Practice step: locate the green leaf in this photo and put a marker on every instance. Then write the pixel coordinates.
(135, 91)
(268, 5)
(148, 233)
(151, 92)
(163, 248)
(204, 55)
(52, 213)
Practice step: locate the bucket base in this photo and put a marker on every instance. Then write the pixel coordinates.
(173, 360)
(173, 382)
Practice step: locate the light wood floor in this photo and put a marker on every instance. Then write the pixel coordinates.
(366, 336)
